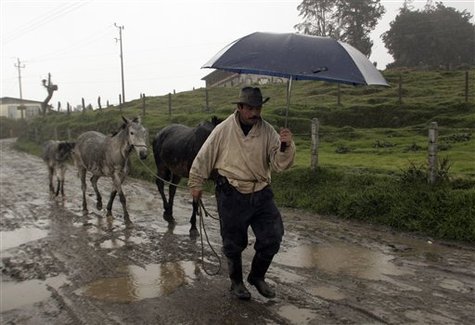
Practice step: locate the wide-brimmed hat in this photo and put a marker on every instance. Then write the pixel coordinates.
(251, 96)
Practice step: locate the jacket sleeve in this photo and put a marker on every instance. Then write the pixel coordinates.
(204, 162)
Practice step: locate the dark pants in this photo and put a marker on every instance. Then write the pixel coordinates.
(239, 211)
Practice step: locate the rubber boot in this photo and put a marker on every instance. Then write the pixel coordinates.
(238, 288)
(259, 268)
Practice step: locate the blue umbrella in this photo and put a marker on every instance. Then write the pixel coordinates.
(297, 57)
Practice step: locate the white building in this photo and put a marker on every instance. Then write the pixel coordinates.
(16, 108)
(220, 78)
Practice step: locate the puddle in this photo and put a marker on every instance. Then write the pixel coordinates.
(138, 283)
(455, 285)
(19, 294)
(121, 241)
(174, 229)
(9, 239)
(327, 292)
(355, 261)
(424, 317)
(296, 315)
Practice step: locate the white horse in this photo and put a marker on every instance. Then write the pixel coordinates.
(109, 156)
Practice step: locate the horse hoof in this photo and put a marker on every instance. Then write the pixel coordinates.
(194, 233)
(169, 219)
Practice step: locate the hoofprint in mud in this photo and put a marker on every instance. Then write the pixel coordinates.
(62, 267)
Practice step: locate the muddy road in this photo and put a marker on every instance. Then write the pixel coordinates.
(62, 267)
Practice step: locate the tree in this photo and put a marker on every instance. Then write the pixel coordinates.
(50, 88)
(319, 18)
(357, 20)
(433, 37)
(346, 20)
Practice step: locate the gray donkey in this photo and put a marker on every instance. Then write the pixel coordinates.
(109, 156)
(55, 155)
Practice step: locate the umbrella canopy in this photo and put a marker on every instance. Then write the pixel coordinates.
(297, 57)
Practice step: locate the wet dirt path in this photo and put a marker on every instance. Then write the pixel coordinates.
(60, 267)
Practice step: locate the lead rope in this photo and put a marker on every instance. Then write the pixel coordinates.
(201, 209)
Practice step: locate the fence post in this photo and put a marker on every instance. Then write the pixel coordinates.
(120, 102)
(400, 90)
(466, 86)
(99, 103)
(338, 101)
(83, 105)
(207, 99)
(315, 142)
(143, 104)
(169, 104)
(68, 108)
(432, 154)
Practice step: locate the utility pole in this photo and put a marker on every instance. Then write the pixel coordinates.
(121, 59)
(22, 107)
(19, 66)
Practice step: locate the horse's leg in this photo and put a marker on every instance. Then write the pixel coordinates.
(164, 175)
(82, 176)
(51, 176)
(62, 169)
(117, 180)
(193, 229)
(171, 196)
(94, 180)
(111, 201)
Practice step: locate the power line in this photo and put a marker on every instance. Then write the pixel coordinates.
(56, 13)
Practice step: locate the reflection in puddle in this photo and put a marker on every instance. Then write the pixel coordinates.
(18, 294)
(295, 315)
(140, 283)
(9, 239)
(338, 258)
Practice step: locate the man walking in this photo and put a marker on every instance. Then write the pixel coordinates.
(243, 150)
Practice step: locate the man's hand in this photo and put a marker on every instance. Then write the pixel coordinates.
(285, 136)
(196, 194)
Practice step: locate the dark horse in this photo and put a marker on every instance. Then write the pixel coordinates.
(109, 156)
(174, 149)
(55, 154)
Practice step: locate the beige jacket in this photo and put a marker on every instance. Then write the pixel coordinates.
(246, 161)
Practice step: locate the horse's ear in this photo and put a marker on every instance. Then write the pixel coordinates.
(137, 120)
(215, 120)
(126, 120)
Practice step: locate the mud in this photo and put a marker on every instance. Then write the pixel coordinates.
(62, 267)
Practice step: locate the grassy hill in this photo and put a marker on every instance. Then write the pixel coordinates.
(372, 151)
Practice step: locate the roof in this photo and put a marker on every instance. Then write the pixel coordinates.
(12, 100)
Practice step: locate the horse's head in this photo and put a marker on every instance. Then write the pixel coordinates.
(65, 150)
(136, 136)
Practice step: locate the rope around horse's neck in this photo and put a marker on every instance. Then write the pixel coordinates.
(201, 209)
